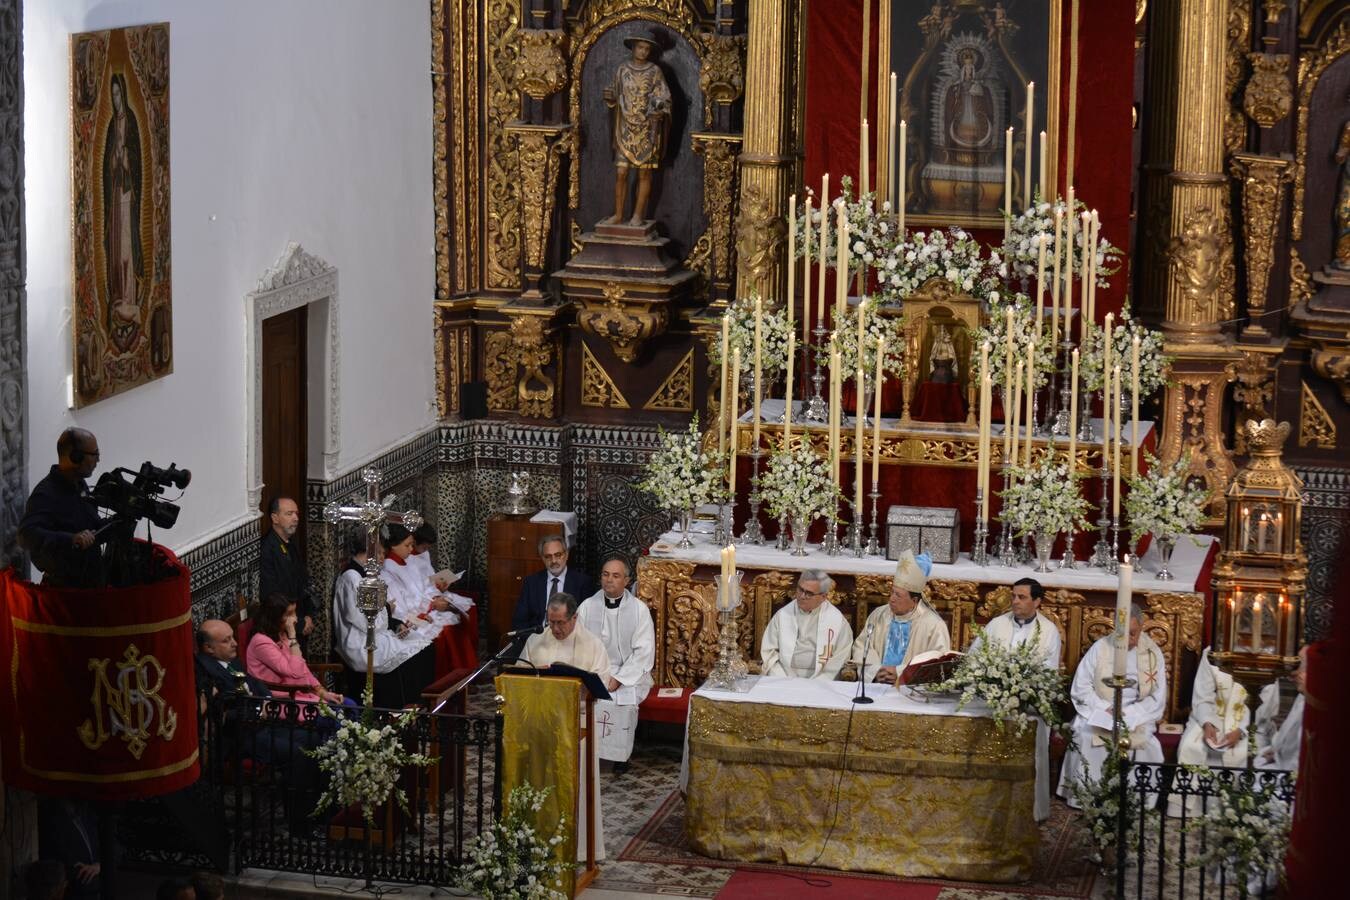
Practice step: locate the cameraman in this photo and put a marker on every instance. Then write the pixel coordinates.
(60, 520)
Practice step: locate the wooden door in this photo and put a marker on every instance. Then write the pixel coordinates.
(284, 420)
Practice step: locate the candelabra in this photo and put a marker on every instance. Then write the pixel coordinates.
(752, 533)
(1035, 426)
(873, 545)
(729, 671)
(1101, 554)
(814, 410)
(1114, 565)
(722, 534)
(855, 531)
(979, 551)
(831, 544)
(1068, 561)
(1085, 433)
(1061, 426)
(1007, 555)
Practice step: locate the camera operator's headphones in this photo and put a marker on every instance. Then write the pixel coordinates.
(77, 454)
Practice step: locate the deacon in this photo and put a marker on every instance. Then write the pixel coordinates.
(1142, 705)
(1281, 751)
(905, 627)
(1025, 623)
(624, 625)
(808, 638)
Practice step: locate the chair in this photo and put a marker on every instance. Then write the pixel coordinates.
(243, 632)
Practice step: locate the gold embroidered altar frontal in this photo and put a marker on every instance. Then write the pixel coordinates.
(919, 796)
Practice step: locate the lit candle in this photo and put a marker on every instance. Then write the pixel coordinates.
(1043, 182)
(1134, 406)
(1261, 533)
(1234, 603)
(1073, 413)
(1282, 626)
(1040, 282)
(806, 277)
(859, 459)
(1246, 529)
(758, 371)
(866, 164)
(724, 412)
(1258, 623)
(787, 391)
(733, 406)
(824, 224)
(1054, 287)
(904, 149)
(1115, 474)
(1007, 183)
(1121, 635)
(1031, 129)
(877, 384)
(1031, 401)
(792, 260)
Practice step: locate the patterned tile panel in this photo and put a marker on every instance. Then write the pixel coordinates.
(1326, 527)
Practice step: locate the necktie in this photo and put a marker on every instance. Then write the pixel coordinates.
(553, 589)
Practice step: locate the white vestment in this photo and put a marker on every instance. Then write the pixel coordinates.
(582, 650)
(805, 645)
(349, 627)
(928, 633)
(411, 598)
(422, 565)
(1283, 749)
(1005, 630)
(1142, 707)
(630, 640)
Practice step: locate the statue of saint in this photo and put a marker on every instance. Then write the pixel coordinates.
(1342, 260)
(640, 99)
(942, 368)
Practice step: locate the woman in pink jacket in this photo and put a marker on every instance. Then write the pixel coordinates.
(274, 656)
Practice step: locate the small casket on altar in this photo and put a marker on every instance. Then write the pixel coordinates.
(934, 530)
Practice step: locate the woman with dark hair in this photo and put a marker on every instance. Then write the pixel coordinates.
(274, 656)
(417, 602)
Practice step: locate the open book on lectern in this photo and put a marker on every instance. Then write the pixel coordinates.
(591, 680)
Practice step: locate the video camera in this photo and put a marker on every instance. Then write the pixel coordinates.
(133, 496)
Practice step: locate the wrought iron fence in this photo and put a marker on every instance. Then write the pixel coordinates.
(267, 787)
(1176, 826)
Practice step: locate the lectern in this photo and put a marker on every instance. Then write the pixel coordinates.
(547, 740)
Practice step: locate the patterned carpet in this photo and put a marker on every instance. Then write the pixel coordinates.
(644, 837)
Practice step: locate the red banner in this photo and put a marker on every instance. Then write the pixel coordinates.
(99, 697)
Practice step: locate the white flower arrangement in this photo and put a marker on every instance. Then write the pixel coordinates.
(797, 484)
(867, 224)
(1162, 502)
(1014, 683)
(876, 327)
(363, 762)
(512, 861)
(1044, 499)
(680, 475)
(904, 263)
(1154, 364)
(1101, 809)
(773, 338)
(1022, 248)
(1247, 827)
(1023, 333)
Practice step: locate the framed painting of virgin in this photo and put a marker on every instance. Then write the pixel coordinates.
(122, 315)
(963, 68)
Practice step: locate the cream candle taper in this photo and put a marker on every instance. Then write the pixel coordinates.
(735, 414)
(1031, 401)
(787, 391)
(841, 262)
(806, 277)
(878, 381)
(865, 164)
(1040, 283)
(1134, 406)
(904, 150)
(1085, 271)
(1073, 412)
(890, 144)
(859, 460)
(724, 411)
(824, 224)
(1016, 414)
(1031, 129)
(987, 402)
(758, 372)
(1007, 183)
(1008, 385)
(1055, 286)
(1092, 281)
(1108, 341)
(1042, 183)
(791, 261)
(1115, 475)
(1120, 637)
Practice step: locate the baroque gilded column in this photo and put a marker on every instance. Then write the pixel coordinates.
(1187, 252)
(768, 155)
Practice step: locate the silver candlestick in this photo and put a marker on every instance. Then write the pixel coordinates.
(873, 545)
(979, 550)
(815, 410)
(1007, 556)
(1101, 554)
(1068, 561)
(855, 532)
(782, 542)
(831, 544)
(722, 533)
(1114, 567)
(753, 534)
(1085, 432)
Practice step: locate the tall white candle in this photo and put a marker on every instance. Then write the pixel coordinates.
(1055, 286)
(865, 164)
(1031, 129)
(824, 224)
(1031, 400)
(1040, 282)
(986, 401)
(878, 382)
(792, 260)
(890, 144)
(724, 412)
(735, 414)
(1073, 413)
(1042, 183)
(904, 150)
(1016, 412)
(758, 372)
(806, 277)
(1007, 183)
(1121, 635)
(787, 391)
(1134, 406)
(859, 460)
(841, 261)
(1115, 466)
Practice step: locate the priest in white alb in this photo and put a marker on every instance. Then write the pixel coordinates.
(1280, 750)
(1142, 705)
(1024, 623)
(905, 627)
(624, 625)
(809, 637)
(567, 641)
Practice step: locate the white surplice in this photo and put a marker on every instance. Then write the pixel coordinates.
(349, 626)
(411, 598)
(805, 645)
(1142, 707)
(629, 638)
(1283, 749)
(421, 564)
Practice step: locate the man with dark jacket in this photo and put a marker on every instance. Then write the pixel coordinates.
(556, 578)
(282, 566)
(220, 678)
(60, 520)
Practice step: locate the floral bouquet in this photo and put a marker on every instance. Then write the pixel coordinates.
(867, 226)
(797, 484)
(1153, 363)
(1023, 333)
(1013, 682)
(1248, 825)
(773, 338)
(363, 762)
(875, 328)
(1044, 499)
(679, 474)
(1100, 800)
(1163, 502)
(904, 263)
(1022, 248)
(512, 861)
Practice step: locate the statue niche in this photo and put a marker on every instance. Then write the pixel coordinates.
(639, 82)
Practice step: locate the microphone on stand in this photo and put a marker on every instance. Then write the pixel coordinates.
(533, 629)
(862, 672)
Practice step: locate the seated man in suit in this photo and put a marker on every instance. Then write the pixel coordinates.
(557, 578)
(220, 676)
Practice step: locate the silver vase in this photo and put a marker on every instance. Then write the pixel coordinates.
(686, 540)
(1044, 541)
(1165, 549)
(799, 528)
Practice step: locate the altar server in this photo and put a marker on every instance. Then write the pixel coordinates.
(808, 638)
(1025, 622)
(414, 601)
(1281, 750)
(624, 625)
(1142, 705)
(904, 627)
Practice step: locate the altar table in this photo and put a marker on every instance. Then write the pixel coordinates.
(922, 789)
(679, 588)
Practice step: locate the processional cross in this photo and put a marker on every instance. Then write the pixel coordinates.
(373, 514)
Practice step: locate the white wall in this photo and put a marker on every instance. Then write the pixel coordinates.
(290, 120)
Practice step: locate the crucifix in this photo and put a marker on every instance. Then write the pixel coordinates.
(372, 592)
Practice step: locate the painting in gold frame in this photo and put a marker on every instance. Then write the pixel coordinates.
(962, 69)
(123, 314)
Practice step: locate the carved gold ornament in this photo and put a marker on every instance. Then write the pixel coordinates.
(1263, 180)
(1253, 393)
(597, 388)
(1201, 262)
(1300, 282)
(719, 199)
(626, 323)
(1311, 65)
(1235, 68)
(500, 364)
(1334, 365)
(541, 65)
(759, 236)
(1315, 426)
(540, 148)
(1269, 95)
(721, 78)
(1193, 418)
(676, 393)
(535, 390)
